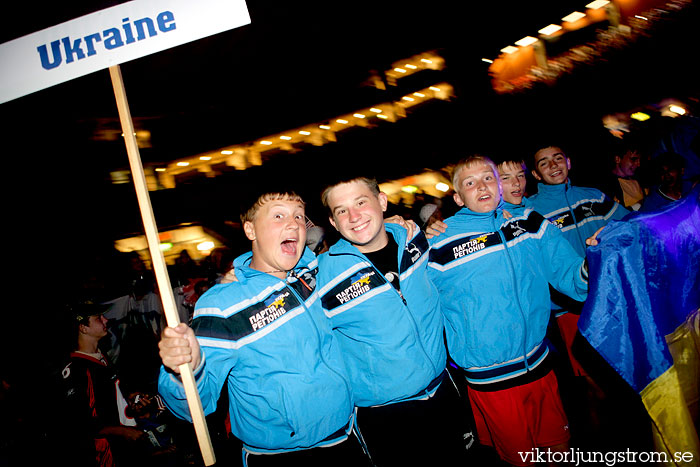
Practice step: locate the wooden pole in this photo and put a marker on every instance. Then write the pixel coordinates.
(159, 266)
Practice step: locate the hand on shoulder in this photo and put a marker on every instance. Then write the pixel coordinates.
(435, 229)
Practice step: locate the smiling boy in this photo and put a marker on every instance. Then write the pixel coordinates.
(385, 312)
(578, 212)
(492, 274)
(265, 335)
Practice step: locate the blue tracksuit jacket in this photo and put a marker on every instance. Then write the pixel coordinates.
(392, 342)
(577, 211)
(269, 339)
(492, 275)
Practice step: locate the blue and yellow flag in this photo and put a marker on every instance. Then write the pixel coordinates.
(641, 315)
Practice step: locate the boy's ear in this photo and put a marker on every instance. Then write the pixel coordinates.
(536, 175)
(249, 230)
(458, 199)
(383, 200)
(330, 219)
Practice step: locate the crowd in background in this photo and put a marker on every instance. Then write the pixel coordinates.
(652, 177)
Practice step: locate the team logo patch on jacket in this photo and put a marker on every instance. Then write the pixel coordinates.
(484, 242)
(271, 312)
(562, 220)
(247, 320)
(520, 226)
(413, 251)
(465, 246)
(353, 287)
(596, 209)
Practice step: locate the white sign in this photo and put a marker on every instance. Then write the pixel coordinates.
(110, 37)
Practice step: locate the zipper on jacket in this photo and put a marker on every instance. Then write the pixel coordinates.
(573, 216)
(515, 288)
(400, 294)
(408, 310)
(293, 274)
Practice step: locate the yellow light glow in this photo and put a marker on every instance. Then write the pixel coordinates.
(343, 121)
(596, 4)
(509, 50)
(419, 94)
(204, 246)
(205, 158)
(358, 115)
(641, 17)
(525, 41)
(425, 60)
(285, 137)
(399, 70)
(410, 67)
(160, 169)
(676, 109)
(324, 127)
(227, 152)
(407, 98)
(165, 246)
(575, 16)
(444, 187)
(375, 110)
(487, 60)
(641, 116)
(304, 132)
(382, 116)
(266, 143)
(549, 30)
(409, 188)
(183, 164)
(434, 88)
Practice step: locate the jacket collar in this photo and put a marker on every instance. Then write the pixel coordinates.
(553, 190)
(245, 273)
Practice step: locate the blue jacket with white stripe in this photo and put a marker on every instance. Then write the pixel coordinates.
(577, 211)
(492, 275)
(392, 341)
(269, 339)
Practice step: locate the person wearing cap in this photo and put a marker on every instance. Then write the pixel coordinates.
(93, 392)
(429, 214)
(316, 239)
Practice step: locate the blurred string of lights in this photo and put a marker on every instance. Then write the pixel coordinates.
(248, 154)
(617, 23)
(535, 60)
(595, 11)
(252, 153)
